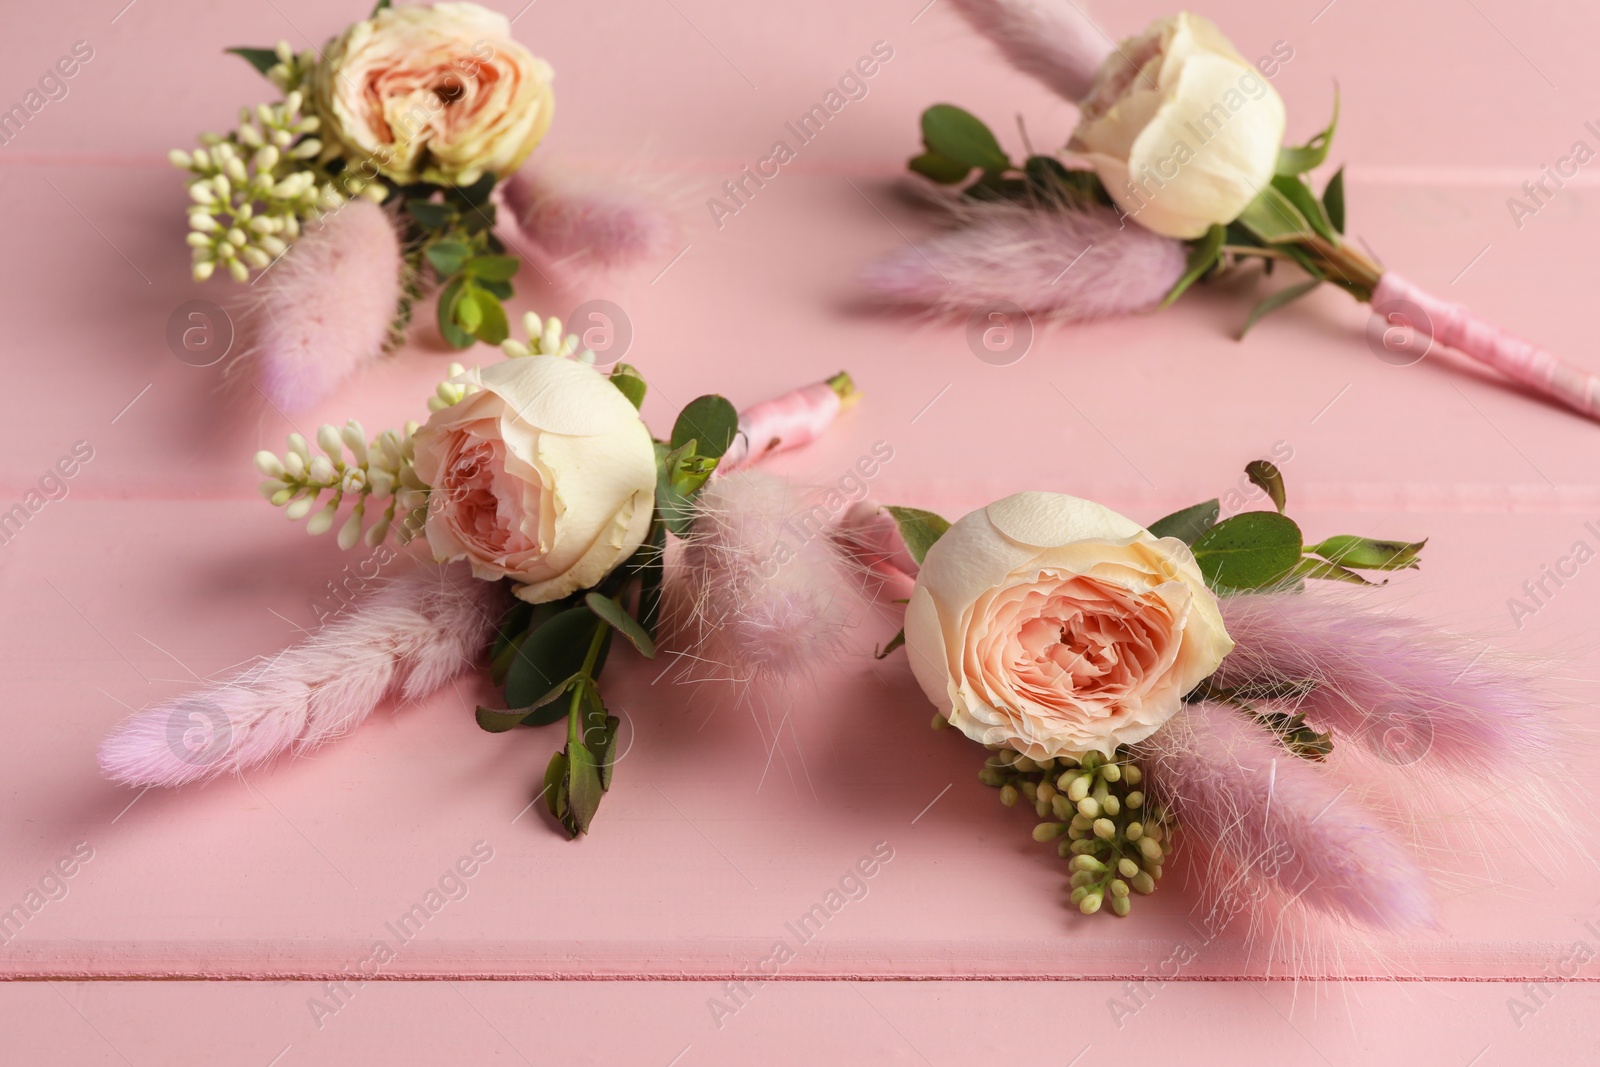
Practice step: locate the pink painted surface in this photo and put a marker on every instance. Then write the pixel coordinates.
(161, 565)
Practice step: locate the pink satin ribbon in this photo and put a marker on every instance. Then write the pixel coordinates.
(1453, 325)
(773, 426)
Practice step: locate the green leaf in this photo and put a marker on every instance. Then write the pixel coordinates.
(555, 785)
(583, 789)
(620, 620)
(263, 59)
(894, 642)
(919, 529)
(475, 195)
(652, 575)
(632, 387)
(1368, 554)
(1316, 568)
(535, 714)
(550, 653)
(1273, 218)
(448, 255)
(501, 290)
(431, 216)
(673, 501)
(1282, 298)
(1270, 479)
(935, 167)
(711, 422)
(1300, 195)
(1310, 155)
(605, 755)
(448, 297)
(1333, 200)
(469, 313)
(1255, 550)
(494, 328)
(492, 268)
(381, 4)
(1203, 255)
(961, 137)
(1187, 525)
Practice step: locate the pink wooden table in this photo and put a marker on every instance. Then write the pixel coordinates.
(160, 566)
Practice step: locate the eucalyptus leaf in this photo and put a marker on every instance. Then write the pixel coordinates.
(1203, 255)
(961, 137)
(1282, 298)
(711, 422)
(492, 268)
(448, 255)
(651, 578)
(1255, 550)
(1267, 476)
(632, 387)
(938, 168)
(612, 612)
(919, 529)
(494, 328)
(1187, 525)
(550, 653)
(448, 298)
(263, 59)
(431, 216)
(469, 313)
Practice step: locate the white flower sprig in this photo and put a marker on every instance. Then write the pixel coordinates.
(253, 187)
(353, 466)
(545, 339)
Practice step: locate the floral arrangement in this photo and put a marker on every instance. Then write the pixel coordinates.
(549, 506)
(430, 111)
(1182, 136)
(1141, 688)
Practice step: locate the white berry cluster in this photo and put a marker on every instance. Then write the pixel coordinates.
(253, 187)
(544, 339)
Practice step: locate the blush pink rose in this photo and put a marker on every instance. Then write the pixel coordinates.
(441, 94)
(546, 476)
(1057, 627)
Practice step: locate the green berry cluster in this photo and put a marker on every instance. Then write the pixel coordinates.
(1116, 838)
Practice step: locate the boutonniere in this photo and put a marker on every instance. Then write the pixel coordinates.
(548, 507)
(377, 178)
(1176, 173)
(1176, 687)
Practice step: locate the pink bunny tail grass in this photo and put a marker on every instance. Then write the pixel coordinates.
(1399, 301)
(413, 635)
(1407, 692)
(325, 309)
(586, 225)
(1051, 40)
(1270, 818)
(757, 593)
(791, 421)
(1072, 264)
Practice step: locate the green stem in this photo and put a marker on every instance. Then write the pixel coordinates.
(575, 709)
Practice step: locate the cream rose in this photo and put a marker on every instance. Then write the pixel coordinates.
(547, 476)
(1057, 627)
(1181, 129)
(440, 94)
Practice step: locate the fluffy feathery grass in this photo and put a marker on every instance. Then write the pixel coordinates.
(407, 639)
(1072, 263)
(325, 308)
